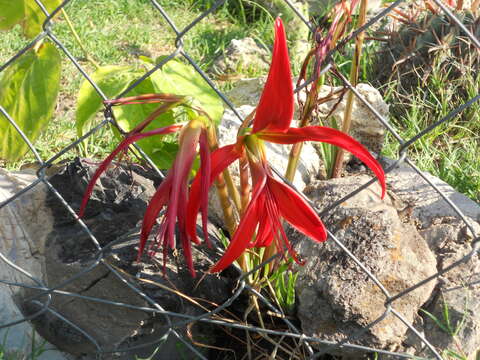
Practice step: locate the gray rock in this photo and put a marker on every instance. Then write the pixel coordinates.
(426, 202)
(24, 226)
(458, 294)
(450, 239)
(242, 55)
(365, 126)
(246, 91)
(432, 238)
(335, 297)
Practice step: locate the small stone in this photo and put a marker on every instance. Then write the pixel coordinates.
(242, 55)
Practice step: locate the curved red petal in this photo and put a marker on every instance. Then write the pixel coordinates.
(122, 146)
(220, 159)
(297, 211)
(275, 109)
(330, 136)
(188, 141)
(158, 200)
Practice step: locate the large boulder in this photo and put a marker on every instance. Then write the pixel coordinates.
(335, 297)
(402, 240)
(24, 226)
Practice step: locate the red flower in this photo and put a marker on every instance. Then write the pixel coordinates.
(172, 192)
(272, 200)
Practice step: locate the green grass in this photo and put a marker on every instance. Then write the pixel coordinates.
(449, 151)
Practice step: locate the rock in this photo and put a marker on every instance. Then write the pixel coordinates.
(433, 237)
(335, 297)
(24, 225)
(242, 55)
(247, 91)
(450, 239)
(412, 189)
(365, 126)
(458, 294)
(308, 166)
(42, 237)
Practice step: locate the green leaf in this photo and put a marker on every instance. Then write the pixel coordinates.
(178, 78)
(112, 80)
(34, 16)
(27, 13)
(28, 92)
(12, 13)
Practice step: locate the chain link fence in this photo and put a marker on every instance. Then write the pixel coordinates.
(45, 292)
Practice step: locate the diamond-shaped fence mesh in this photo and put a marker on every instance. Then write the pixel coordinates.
(173, 322)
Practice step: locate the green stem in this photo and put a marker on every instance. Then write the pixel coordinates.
(347, 118)
(78, 40)
(308, 108)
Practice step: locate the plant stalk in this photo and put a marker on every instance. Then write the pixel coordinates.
(78, 40)
(227, 190)
(347, 118)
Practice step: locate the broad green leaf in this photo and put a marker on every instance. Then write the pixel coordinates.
(27, 13)
(178, 78)
(12, 13)
(112, 80)
(28, 92)
(34, 16)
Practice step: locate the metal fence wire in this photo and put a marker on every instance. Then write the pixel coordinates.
(45, 293)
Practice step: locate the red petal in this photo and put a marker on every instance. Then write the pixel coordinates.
(265, 232)
(220, 159)
(296, 211)
(181, 168)
(244, 233)
(186, 244)
(275, 109)
(122, 146)
(329, 136)
(156, 203)
(206, 165)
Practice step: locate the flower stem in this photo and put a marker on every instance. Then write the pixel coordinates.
(347, 118)
(307, 110)
(226, 189)
(78, 40)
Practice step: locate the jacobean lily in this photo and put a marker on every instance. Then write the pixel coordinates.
(172, 192)
(271, 200)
